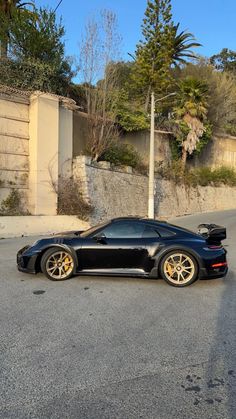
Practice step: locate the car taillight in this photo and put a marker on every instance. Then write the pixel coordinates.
(219, 265)
(214, 246)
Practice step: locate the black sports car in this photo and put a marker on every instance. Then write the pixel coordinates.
(130, 246)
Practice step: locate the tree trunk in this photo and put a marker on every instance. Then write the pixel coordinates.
(147, 102)
(96, 157)
(5, 10)
(3, 50)
(184, 158)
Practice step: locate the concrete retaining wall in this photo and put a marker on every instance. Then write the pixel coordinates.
(139, 140)
(220, 151)
(116, 193)
(176, 200)
(37, 225)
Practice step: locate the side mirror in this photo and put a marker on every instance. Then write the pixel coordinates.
(101, 238)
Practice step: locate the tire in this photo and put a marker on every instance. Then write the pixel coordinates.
(178, 268)
(57, 264)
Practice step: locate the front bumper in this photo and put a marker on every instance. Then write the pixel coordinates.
(26, 262)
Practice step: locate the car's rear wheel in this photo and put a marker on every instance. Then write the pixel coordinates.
(179, 268)
(57, 264)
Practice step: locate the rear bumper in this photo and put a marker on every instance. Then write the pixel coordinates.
(213, 273)
(213, 263)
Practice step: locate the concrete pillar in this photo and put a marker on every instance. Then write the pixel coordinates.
(43, 153)
(65, 141)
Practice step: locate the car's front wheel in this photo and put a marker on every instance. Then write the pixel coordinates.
(57, 264)
(179, 268)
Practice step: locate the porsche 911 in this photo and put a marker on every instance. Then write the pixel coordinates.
(130, 246)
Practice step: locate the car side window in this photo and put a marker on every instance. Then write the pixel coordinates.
(165, 233)
(150, 232)
(156, 232)
(123, 230)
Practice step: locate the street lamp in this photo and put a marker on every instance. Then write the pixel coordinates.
(151, 154)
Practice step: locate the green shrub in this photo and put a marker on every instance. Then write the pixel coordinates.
(171, 171)
(225, 175)
(230, 129)
(121, 154)
(205, 138)
(12, 205)
(34, 75)
(202, 176)
(71, 200)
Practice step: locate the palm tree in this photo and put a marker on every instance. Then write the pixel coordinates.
(7, 9)
(183, 42)
(192, 97)
(191, 113)
(7, 6)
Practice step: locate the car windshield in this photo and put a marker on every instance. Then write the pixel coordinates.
(92, 229)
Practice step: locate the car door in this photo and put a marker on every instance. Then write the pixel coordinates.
(119, 246)
(155, 238)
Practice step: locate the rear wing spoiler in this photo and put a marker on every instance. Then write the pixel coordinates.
(212, 232)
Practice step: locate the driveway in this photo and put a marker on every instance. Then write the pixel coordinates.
(118, 348)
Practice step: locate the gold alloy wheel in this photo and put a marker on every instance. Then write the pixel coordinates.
(179, 268)
(59, 265)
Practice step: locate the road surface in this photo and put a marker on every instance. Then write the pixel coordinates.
(118, 348)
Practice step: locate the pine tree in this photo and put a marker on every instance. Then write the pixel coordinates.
(7, 9)
(154, 54)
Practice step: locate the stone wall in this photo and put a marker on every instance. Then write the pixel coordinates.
(14, 145)
(116, 193)
(176, 200)
(112, 193)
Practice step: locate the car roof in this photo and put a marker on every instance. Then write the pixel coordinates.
(160, 223)
(137, 218)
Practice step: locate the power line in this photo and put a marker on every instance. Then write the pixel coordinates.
(58, 5)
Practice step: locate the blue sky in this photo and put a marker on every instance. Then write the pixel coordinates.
(211, 21)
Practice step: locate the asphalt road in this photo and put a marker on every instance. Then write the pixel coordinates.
(118, 348)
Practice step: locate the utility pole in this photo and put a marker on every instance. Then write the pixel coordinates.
(151, 161)
(151, 213)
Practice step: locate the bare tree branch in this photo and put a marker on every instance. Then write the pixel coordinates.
(99, 49)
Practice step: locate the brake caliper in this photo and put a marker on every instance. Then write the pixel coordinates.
(170, 269)
(66, 264)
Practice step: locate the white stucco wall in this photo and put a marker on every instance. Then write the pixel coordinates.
(36, 141)
(43, 151)
(14, 145)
